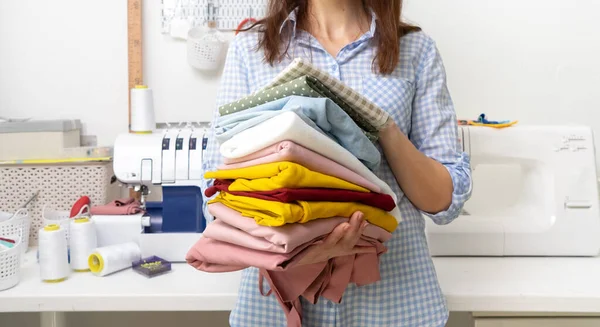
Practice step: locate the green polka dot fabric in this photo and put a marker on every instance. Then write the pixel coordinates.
(303, 86)
(298, 87)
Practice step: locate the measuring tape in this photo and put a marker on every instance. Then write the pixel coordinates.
(134, 48)
(134, 57)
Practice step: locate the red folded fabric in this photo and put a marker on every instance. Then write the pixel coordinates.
(288, 195)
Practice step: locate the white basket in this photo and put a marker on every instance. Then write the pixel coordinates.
(10, 264)
(61, 218)
(60, 186)
(17, 223)
(205, 49)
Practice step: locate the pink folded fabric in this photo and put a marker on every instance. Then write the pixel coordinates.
(210, 255)
(287, 296)
(221, 231)
(216, 256)
(128, 206)
(290, 151)
(328, 281)
(231, 227)
(287, 279)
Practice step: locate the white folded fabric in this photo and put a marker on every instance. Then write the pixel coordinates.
(288, 126)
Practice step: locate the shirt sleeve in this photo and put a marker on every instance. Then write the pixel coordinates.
(435, 131)
(233, 86)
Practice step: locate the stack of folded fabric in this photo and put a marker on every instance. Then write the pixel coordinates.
(298, 159)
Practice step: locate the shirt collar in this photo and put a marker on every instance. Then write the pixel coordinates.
(292, 20)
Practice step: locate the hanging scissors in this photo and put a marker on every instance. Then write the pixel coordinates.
(243, 23)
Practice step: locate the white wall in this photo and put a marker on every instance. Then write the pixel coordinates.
(65, 59)
(536, 61)
(68, 59)
(512, 59)
(181, 93)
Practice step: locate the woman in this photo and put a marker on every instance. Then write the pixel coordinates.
(365, 45)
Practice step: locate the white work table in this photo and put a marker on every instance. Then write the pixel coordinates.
(182, 289)
(470, 284)
(565, 285)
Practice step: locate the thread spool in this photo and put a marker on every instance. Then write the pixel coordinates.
(111, 230)
(110, 259)
(53, 256)
(142, 110)
(82, 243)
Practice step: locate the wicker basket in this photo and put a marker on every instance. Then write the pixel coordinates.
(59, 186)
(10, 264)
(17, 223)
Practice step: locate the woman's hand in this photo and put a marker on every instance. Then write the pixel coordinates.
(340, 242)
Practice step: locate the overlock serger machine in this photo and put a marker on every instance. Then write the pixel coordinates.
(535, 193)
(170, 159)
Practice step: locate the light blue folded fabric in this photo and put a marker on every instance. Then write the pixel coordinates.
(320, 113)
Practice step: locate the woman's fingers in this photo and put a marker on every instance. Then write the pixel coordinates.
(345, 233)
(341, 241)
(356, 229)
(336, 235)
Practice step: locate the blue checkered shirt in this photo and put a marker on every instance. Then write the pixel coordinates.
(417, 98)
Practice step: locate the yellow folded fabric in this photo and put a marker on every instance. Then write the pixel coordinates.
(276, 175)
(271, 213)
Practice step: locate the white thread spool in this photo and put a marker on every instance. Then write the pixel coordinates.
(109, 259)
(54, 260)
(142, 110)
(111, 230)
(82, 243)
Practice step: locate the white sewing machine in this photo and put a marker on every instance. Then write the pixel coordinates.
(534, 194)
(172, 160)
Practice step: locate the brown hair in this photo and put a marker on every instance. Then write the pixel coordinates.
(389, 29)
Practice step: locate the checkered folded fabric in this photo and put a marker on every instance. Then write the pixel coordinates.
(373, 114)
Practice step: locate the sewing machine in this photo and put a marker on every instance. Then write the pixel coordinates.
(534, 194)
(170, 159)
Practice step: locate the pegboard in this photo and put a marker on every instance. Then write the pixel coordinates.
(59, 185)
(228, 14)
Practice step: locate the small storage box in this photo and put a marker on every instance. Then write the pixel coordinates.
(38, 139)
